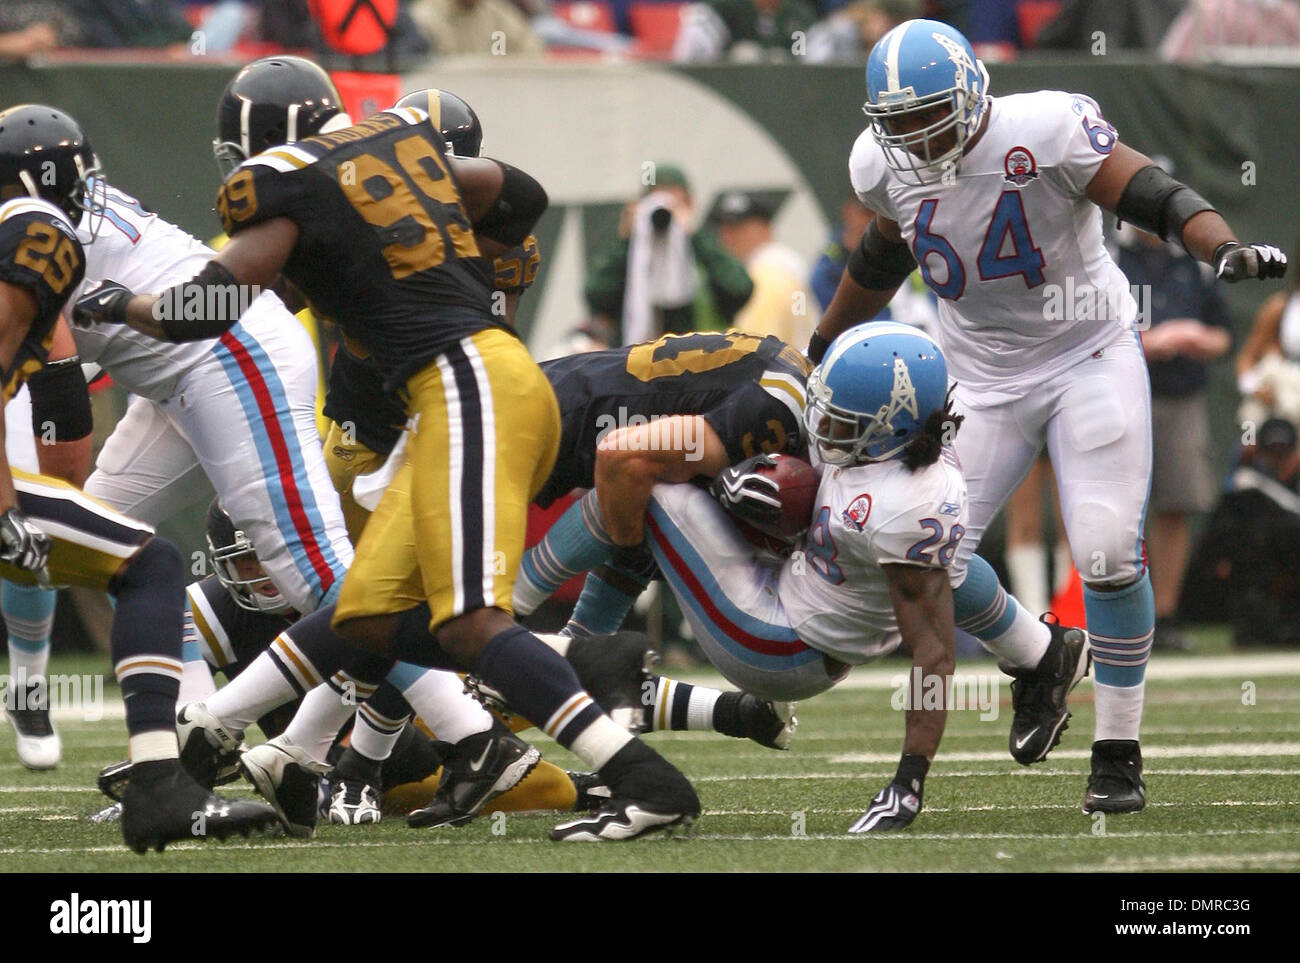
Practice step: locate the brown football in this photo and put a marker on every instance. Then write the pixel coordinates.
(799, 482)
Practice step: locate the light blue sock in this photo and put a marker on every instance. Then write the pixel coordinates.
(602, 607)
(576, 543)
(983, 608)
(29, 618)
(1122, 625)
(980, 605)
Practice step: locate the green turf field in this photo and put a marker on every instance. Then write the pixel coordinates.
(1223, 782)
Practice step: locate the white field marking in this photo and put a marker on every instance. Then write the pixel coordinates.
(1023, 772)
(1249, 749)
(1191, 862)
(59, 818)
(1164, 667)
(989, 808)
(698, 837)
(50, 789)
(15, 810)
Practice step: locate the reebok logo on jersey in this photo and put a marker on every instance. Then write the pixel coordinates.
(857, 512)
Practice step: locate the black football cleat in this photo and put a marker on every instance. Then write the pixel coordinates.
(770, 724)
(289, 780)
(1116, 785)
(475, 771)
(354, 790)
(591, 789)
(163, 804)
(1038, 695)
(647, 795)
(613, 670)
(209, 750)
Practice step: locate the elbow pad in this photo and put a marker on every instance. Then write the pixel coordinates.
(878, 263)
(61, 401)
(518, 207)
(1157, 203)
(205, 306)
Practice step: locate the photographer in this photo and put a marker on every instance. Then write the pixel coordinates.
(662, 275)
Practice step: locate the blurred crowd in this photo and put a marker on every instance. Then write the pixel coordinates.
(815, 31)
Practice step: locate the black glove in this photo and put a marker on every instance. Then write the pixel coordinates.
(751, 497)
(22, 544)
(1236, 262)
(103, 302)
(817, 346)
(894, 807)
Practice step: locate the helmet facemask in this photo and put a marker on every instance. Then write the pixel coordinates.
(845, 437)
(245, 591)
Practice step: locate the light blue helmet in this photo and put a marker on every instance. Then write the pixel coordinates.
(915, 67)
(873, 392)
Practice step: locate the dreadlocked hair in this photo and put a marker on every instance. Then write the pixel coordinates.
(940, 429)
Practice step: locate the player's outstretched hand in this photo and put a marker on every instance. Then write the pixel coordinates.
(748, 495)
(103, 302)
(1236, 262)
(22, 544)
(894, 807)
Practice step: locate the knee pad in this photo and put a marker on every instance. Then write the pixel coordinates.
(1105, 550)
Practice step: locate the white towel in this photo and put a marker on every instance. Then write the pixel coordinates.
(660, 271)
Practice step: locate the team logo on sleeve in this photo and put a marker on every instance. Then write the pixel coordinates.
(1020, 166)
(857, 512)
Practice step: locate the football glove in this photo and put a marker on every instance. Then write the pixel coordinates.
(22, 544)
(1236, 262)
(894, 807)
(751, 497)
(103, 302)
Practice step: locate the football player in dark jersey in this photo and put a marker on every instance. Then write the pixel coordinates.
(375, 224)
(683, 407)
(53, 534)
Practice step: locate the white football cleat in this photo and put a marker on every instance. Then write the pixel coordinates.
(206, 746)
(39, 746)
(289, 780)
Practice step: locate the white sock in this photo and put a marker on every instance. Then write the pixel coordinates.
(196, 682)
(1063, 562)
(253, 693)
(1119, 710)
(152, 746)
(317, 722)
(440, 700)
(1024, 644)
(597, 744)
(1027, 565)
(560, 642)
(374, 744)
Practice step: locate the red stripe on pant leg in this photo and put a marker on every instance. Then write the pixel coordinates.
(283, 463)
(735, 632)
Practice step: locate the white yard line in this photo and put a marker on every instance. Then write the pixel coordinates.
(1225, 749)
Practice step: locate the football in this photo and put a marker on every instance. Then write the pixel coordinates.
(799, 482)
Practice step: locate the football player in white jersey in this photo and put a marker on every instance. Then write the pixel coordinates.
(240, 409)
(874, 569)
(998, 200)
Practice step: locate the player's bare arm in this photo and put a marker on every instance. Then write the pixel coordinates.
(17, 312)
(923, 603)
(503, 202)
(1134, 189)
(61, 418)
(630, 461)
(877, 268)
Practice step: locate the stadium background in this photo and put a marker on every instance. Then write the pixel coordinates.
(589, 130)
